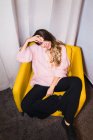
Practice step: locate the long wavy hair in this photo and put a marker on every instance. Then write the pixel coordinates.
(55, 50)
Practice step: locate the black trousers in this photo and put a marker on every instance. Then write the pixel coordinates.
(34, 106)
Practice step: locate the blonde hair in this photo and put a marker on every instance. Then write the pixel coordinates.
(56, 53)
(55, 50)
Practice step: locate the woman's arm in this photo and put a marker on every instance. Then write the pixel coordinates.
(25, 53)
(54, 82)
(52, 86)
(36, 38)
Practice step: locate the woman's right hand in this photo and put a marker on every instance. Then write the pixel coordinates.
(36, 38)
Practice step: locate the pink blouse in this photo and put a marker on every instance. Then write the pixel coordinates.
(43, 71)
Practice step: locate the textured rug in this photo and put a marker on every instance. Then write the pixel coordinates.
(14, 126)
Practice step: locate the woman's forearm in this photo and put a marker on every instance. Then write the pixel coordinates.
(24, 46)
(54, 82)
(36, 38)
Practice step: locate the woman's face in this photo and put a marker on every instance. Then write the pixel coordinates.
(46, 44)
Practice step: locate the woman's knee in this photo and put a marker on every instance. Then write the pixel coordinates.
(27, 109)
(77, 82)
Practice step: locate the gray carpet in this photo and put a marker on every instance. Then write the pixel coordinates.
(13, 126)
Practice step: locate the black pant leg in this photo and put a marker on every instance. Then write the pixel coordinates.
(33, 104)
(36, 93)
(70, 100)
(44, 108)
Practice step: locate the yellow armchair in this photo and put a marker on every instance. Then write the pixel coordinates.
(25, 73)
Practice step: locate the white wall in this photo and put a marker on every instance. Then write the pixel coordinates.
(60, 18)
(85, 38)
(40, 14)
(4, 82)
(32, 15)
(22, 13)
(8, 43)
(64, 19)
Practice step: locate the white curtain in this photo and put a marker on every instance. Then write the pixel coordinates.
(8, 45)
(85, 38)
(19, 19)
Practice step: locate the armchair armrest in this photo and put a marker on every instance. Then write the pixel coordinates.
(77, 70)
(21, 83)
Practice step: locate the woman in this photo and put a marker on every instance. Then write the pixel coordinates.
(50, 65)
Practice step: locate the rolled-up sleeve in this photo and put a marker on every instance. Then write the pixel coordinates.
(62, 70)
(24, 55)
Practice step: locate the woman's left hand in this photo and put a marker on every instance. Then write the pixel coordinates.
(50, 91)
